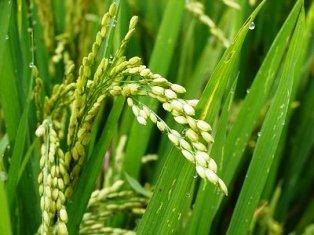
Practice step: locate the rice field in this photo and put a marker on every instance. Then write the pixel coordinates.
(156, 117)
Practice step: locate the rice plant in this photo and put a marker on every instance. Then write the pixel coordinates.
(156, 117)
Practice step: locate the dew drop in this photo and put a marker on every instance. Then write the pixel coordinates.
(248, 91)
(195, 176)
(110, 59)
(252, 26)
(259, 134)
(31, 65)
(6, 37)
(188, 195)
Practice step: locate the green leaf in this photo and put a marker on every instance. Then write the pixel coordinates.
(4, 142)
(17, 157)
(218, 153)
(5, 226)
(8, 94)
(171, 195)
(27, 158)
(136, 186)
(303, 145)
(176, 179)
(5, 13)
(223, 71)
(300, 151)
(240, 133)
(22, 133)
(267, 142)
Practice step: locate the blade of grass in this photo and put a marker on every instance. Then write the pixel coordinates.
(17, 156)
(298, 87)
(16, 58)
(259, 91)
(29, 213)
(5, 224)
(267, 143)
(41, 55)
(22, 132)
(170, 199)
(171, 194)
(225, 69)
(4, 142)
(217, 153)
(303, 137)
(25, 43)
(9, 93)
(244, 124)
(86, 184)
(26, 159)
(5, 13)
(300, 152)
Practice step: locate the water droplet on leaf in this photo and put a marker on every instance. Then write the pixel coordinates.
(252, 26)
(110, 59)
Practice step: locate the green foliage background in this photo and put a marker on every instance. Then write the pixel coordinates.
(258, 94)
